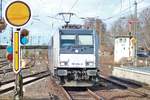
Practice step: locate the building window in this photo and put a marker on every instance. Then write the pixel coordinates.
(124, 40)
(121, 40)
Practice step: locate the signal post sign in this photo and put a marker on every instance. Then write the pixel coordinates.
(17, 14)
(16, 52)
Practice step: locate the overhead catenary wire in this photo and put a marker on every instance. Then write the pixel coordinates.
(60, 6)
(55, 18)
(121, 12)
(120, 6)
(73, 5)
(114, 16)
(98, 5)
(130, 12)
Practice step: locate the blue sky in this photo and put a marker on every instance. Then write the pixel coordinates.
(40, 25)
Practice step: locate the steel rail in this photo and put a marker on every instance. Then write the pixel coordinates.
(11, 70)
(126, 86)
(89, 92)
(38, 76)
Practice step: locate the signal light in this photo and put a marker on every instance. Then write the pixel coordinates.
(10, 53)
(23, 37)
(24, 32)
(24, 40)
(9, 49)
(10, 57)
(130, 33)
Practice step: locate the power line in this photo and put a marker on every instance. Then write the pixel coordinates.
(73, 5)
(140, 1)
(121, 6)
(130, 7)
(55, 18)
(139, 10)
(122, 12)
(98, 5)
(60, 6)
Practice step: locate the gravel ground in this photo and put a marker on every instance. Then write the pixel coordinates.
(115, 94)
(25, 72)
(106, 64)
(46, 89)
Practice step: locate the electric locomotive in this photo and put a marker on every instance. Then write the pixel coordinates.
(73, 56)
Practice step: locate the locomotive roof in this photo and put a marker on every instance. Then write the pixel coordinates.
(76, 31)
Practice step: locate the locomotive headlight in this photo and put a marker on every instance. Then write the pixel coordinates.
(89, 63)
(63, 63)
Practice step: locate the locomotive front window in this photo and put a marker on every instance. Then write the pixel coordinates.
(67, 40)
(85, 40)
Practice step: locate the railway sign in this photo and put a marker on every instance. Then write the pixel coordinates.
(23, 36)
(17, 14)
(9, 50)
(16, 52)
(10, 57)
(133, 21)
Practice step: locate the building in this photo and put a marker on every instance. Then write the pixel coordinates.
(124, 48)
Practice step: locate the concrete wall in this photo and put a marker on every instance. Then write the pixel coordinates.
(140, 76)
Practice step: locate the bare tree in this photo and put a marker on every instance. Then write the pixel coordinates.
(98, 24)
(2, 25)
(120, 27)
(144, 18)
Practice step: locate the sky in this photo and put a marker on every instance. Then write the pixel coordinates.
(45, 15)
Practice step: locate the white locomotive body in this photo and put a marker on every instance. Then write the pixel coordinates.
(74, 56)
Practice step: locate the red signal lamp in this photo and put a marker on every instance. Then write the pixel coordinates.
(24, 32)
(23, 36)
(10, 57)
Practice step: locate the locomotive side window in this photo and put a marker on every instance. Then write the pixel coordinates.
(67, 40)
(85, 40)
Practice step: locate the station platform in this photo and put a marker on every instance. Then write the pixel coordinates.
(140, 74)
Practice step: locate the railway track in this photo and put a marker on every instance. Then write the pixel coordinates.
(9, 85)
(129, 85)
(30, 64)
(3, 63)
(2, 60)
(80, 94)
